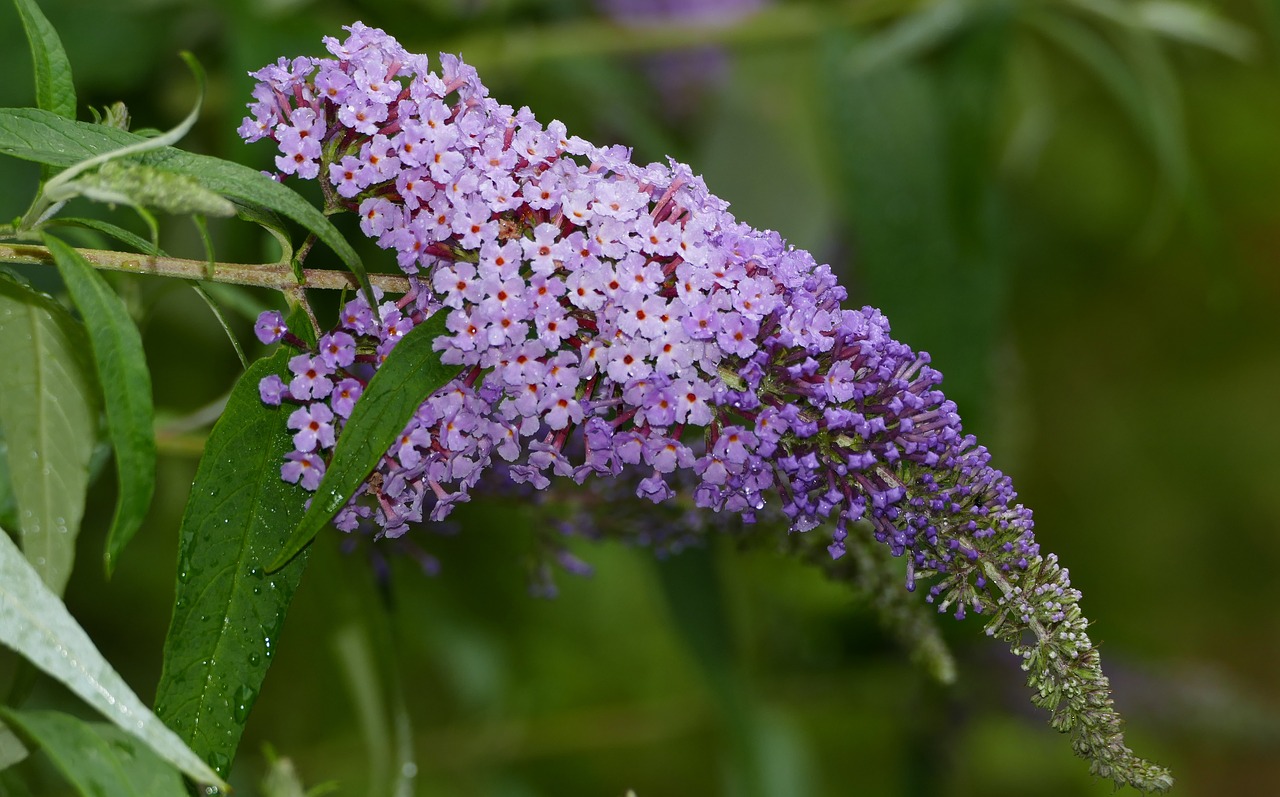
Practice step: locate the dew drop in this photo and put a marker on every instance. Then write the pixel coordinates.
(220, 763)
(243, 703)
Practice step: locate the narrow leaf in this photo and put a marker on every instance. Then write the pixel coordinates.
(228, 611)
(409, 375)
(54, 90)
(122, 235)
(48, 413)
(126, 389)
(99, 760)
(35, 135)
(35, 623)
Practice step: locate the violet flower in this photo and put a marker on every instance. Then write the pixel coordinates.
(615, 319)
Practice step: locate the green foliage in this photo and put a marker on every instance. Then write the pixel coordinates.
(54, 90)
(36, 624)
(49, 404)
(946, 182)
(126, 387)
(408, 376)
(228, 611)
(35, 135)
(97, 759)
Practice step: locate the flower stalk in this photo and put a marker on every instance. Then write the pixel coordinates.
(259, 275)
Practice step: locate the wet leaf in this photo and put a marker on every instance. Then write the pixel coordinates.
(228, 610)
(99, 760)
(48, 413)
(126, 389)
(36, 624)
(409, 375)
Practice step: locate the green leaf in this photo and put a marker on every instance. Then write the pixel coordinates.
(99, 760)
(12, 750)
(408, 376)
(43, 137)
(126, 389)
(228, 611)
(1197, 24)
(54, 90)
(36, 624)
(135, 185)
(48, 413)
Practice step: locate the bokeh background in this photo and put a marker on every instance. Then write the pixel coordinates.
(1073, 204)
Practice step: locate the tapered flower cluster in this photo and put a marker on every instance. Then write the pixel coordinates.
(619, 310)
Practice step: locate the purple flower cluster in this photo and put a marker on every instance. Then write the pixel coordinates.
(615, 320)
(590, 298)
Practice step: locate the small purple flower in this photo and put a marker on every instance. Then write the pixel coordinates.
(311, 377)
(344, 396)
(337, 349)
(302, 468)
(270, 327)
(314, 425)
(272, 389)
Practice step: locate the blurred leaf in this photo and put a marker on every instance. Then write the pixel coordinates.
(55, 91)
(282, 780)
(126, 389)
(35, 135)
(99, 760)
(910, 37)
(915, 155)
(693, 588)
(362, 614)
(1144, 86)
(1197, 24)
(411, 373)
(228, 611)
(48, 413)
(12, 750)
(36, 624)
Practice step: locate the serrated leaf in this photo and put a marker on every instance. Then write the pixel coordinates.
(97, 759)
(54, 90)
(228, 611)
(126, 389)
(35, 135)
(408, 376)
(36, 624)
(136, 185)
(49, 412)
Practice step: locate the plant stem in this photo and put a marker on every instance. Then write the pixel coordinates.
(262, 275)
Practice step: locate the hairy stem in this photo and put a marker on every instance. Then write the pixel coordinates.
(262, 275)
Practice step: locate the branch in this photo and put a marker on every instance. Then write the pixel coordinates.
(261, 275)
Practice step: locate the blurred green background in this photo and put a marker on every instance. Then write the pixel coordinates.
(1074, 205)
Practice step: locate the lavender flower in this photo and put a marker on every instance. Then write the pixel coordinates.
(614, 319)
